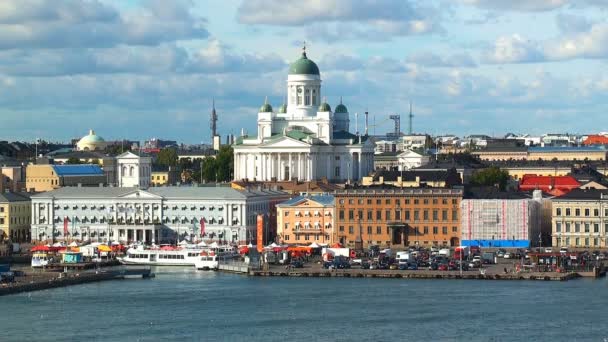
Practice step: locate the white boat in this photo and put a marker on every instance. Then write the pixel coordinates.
(207, 262)
(40, 259)
(165, 257)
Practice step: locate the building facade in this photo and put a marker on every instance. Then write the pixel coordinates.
(398, 217)
(580, 219)
(134, 170)
(305, 220)
(304, 139)
(505, 223)
(15, 218)
(48, 177)
(156, 215)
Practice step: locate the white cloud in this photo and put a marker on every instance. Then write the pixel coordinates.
(590, 44)
(518, 5)
(513, 49)
(569, 23)
(432, 60)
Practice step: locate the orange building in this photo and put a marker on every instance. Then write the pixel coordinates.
(304, 220)
(398, 218)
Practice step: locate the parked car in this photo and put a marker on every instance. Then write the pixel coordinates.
(394, 266)
(412, 266)
(548, 250)
(507, 255)
(475, 264)
(563, 250)
(356, 262)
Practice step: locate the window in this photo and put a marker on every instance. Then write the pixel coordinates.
(426, 230)
(360, 214)
(416, 201)
(444, 230)
(378, 230)
(398, 215)
(596, 227)
(299, 91)
(567, 211)
(369, 230)
(577, 227)
(1, 220)
(558, 211)
(341, 228)
(434, 201)
(577, 241)
(444, 215)
(407, 214)
(307, 98)
(425, 215)
(425, 201)
(388, 201)
(351, 230)
(587, 227)
(351, 214)
(454, 201)
(596, 212)
(351, 201)
(454, 229)
(378, 201)
(454, 215)
(341, 215)
(407, 201)
(435, 230)
(444, 201)
(286, 213)
(369, 201)
(586, 211)
(370, 215)
(341, 201)
(567, 227)
(586, 241)
(337, 173)
(378, 215)
(360, 201)
(435, 215)
(397, 202)
(416, 215)
(558, 227)
(286, 225)
(387, 215)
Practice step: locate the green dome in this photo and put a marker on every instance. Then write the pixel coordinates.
(303, 66)
(266, 108)
(324, 107)
(283, 109)
(341, 109)
(91, 138)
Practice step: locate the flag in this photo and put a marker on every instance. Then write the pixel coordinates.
(65, 226)
(202, 226)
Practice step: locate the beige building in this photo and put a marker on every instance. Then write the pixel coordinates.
(580, 219)
(91, 142)
(15, 217)
(504, 153)
(48, 177)
(304, 220)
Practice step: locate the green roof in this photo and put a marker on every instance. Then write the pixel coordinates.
(303, 66)
(283, 109)
(341, 109)
(266, 108)
(324, 107)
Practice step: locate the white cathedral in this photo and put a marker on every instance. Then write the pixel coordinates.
(304, 139)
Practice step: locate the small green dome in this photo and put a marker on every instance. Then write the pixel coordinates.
(303, 66)
(266, 108)
(324, 107)
(341, 109)
(283, 109)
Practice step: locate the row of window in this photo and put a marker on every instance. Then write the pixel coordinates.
(171, 256)
(16, 209)
(425, 230)
(577, 212)
(587, 242)
(397, 201)
(388, 215)
(307, 213)
(306, 237)
(16, 220)
(576, 227)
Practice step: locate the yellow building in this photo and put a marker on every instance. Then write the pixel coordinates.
(15, 217)
(304, 220)
(47, 177)
(414, 179)
(580, 219)
(549, 153)
(162, 178)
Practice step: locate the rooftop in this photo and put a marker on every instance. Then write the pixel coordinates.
(78, 170)
(583, 194)
(324, 200)
(8, 197)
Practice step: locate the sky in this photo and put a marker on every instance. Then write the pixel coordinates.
(138, 69)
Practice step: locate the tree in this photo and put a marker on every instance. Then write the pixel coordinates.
(73, 160)
(167, 157)
(491, 176)
(116, 149)
(225, 164)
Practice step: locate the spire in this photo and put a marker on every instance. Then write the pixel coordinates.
(304, 49)
(266, 100)
(340, 99)
(213, 119)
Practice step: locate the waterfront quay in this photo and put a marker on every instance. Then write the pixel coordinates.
(27, 280)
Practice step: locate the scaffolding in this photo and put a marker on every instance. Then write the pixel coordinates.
(500, 222)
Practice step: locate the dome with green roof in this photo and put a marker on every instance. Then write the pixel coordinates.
(303, 66)
(324, 107)
(283, 109)
(266, 108)
(341, 108)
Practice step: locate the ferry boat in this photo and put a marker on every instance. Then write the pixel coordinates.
(168, 256)
(208, 261)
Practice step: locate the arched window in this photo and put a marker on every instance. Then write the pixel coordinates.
(123, 172)
(131, 169)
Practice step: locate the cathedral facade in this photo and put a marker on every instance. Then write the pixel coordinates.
(304, 139)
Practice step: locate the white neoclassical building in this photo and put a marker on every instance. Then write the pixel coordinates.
(160, 215)
(304, 139)
(133, 170)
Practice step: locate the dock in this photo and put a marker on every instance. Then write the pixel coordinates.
(72, 278)
(422, 274)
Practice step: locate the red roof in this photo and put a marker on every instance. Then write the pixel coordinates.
(557, 185)
(596, 140)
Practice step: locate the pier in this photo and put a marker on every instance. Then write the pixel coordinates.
(49, 280)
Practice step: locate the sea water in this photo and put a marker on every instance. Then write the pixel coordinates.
(182, 304)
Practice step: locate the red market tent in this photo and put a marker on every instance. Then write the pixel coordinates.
(40, 248)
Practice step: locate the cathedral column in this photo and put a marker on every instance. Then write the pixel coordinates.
(299, 173)
(328, 171)
(236, 166)
(359, 176)
(290, 166)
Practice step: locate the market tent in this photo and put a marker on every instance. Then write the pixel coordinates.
(183, 243)
(243, 250)
(104, 248)
(273, 245)
(337, 245)
(302, 249)
(314, 245)
(115, 243)
(202, 244)
(73, 244)
(40, 248)
(250, 245)
(57, 244)
(214, 245)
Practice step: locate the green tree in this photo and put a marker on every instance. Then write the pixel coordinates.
(209, 169)
(225, 164)
(73, 160)
(491, 176)
(116, 149)
(95, 161)
(167, 157)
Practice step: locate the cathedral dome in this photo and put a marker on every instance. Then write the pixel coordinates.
(266, 108)
(91, 142)
(283, 109)
(341, 108)
(324, 107)
(303, 66)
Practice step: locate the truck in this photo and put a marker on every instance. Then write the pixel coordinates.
(345, 252)
(488, 257)
(403, 258)
(445, 252)
(461, 253)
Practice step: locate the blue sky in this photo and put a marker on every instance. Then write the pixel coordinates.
(149, 68)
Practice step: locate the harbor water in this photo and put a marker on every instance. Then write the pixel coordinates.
(186, 305)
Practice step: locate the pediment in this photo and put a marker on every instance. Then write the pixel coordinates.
(285, 142)
(139, 194)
